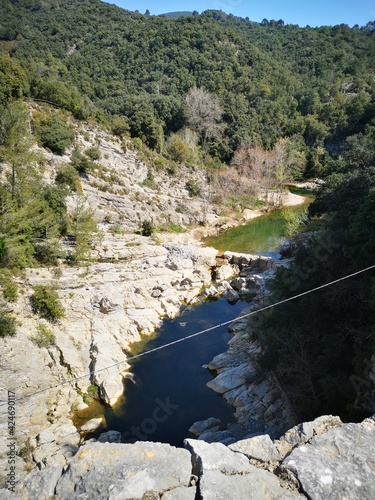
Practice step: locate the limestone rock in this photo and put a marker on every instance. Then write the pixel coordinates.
(258, 447)
(67, 434)
(237, 258)
(225, 474)
(202, 425)
(92, 425)
(216, 456)
(337, 464)
(110, 437)
(39, 485)
(215, 435)
(219, 362)
(231, 295)
(111, 388)
(43, 453)
(232, 378)
(46, 436)
(124, 471)
(106, 306)
(302, 433)
(224, 272)
(238, 283)
(6, 494)
(180, 494)
(179, 264)
(257, 485)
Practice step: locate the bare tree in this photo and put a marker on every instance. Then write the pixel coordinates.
(204, 114)
(269, 171)
(257, 165)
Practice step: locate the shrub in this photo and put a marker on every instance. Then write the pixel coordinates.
(138, 144)
(19, 253)
(46, 303)
(26, 451)
(7, 325)
(172, 169)
(116, 229)
(120, 126)
(147, 228)
(193, 188)
(43, 337)
(91, 395)
(47, 252)
(175, 228)
(182, 147)
(55, 134)
(10, 289)
(150, 181)
(82, 163)
(93, 153)
(68, 176)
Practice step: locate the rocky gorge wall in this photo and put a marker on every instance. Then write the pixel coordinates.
(108, 307)
(129, 285)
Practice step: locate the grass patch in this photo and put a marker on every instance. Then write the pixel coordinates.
(43, 337)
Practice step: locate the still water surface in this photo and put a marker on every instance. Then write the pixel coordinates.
(263, 235)
(170, 392)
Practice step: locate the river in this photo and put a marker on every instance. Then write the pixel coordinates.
(262, 235)
(169, 391)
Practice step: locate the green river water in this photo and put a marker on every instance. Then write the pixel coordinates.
(262, 235)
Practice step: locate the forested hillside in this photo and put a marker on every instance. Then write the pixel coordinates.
(266, 103)
(270, 80)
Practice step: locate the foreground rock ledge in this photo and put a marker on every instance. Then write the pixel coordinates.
(316, 460)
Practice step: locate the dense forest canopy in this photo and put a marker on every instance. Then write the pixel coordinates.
(220, 90)
(272, 80)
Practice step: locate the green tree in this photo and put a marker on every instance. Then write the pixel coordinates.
(13, 80)
(82, 228)
(15, 143)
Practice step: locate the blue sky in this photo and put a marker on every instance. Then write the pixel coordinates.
(313, 13)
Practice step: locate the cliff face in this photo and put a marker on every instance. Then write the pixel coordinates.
(315, 460)
(131, 283)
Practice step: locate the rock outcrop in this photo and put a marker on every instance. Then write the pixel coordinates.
(316, 460)
(132, 283)
(260, 403)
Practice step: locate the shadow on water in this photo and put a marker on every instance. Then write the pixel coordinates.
(170, 393)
